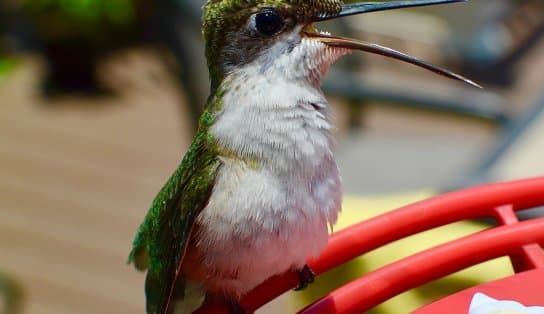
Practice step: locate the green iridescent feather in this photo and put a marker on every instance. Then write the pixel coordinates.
(160, 243)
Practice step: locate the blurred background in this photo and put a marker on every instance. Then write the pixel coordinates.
(99, 101)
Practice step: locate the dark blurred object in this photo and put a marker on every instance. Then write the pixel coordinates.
(74, 35)
(177, 26)
(505, 36)
(11, 295)
(6, 64)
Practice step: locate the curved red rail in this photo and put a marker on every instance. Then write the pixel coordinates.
(479, 202)
(378, 286)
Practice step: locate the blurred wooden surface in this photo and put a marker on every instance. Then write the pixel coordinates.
(76, 178)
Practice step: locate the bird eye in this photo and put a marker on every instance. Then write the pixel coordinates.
(268, 22)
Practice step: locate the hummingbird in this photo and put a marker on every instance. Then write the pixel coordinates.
(258, 190)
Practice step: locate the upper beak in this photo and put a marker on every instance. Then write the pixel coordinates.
(364, 7)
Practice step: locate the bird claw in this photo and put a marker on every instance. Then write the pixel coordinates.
(306, 276)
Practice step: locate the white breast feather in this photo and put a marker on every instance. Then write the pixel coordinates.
(264, 220)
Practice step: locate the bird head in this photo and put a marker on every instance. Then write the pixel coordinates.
(280, 34)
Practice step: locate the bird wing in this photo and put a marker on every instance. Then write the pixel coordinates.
(162, 238)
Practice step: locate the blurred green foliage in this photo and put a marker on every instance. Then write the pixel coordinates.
(6, 66)
(62, 18)
(12, 294)
(90, 11)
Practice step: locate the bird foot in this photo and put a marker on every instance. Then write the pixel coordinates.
(306, 276)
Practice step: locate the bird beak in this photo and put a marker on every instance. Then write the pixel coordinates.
(365, 7)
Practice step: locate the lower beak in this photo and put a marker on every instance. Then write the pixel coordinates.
(365, 7)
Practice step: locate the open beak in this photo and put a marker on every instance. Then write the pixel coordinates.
(365, 7)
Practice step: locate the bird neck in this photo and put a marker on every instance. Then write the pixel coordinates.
(275, 121)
